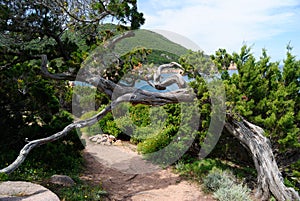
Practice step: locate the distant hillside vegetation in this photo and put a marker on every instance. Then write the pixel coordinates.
(150, 40)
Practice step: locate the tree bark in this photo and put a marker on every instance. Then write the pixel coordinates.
(269, 178)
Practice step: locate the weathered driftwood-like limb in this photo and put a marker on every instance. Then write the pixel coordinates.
(269, 179)
(63, 76)
(111, 44)
(162, 85)
(58, 76)
(32, 144)
(108, 87)
(103, 85)
(121, 94)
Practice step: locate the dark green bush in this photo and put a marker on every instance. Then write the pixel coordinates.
(62, 156)
(157, 142)
(198, 168)
(105, 125)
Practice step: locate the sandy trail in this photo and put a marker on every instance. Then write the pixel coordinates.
(126, 176)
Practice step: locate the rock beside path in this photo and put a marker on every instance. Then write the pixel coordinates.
(25, 191)
(103, 139)
(62, 180)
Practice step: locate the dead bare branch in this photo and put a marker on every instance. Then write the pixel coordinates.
(46, 73)
(118, 93)
(162, 85)
(32, 144)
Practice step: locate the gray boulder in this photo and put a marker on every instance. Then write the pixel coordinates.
(62, 180)
(25, 191)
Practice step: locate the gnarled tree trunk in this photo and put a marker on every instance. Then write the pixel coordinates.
(269, 179)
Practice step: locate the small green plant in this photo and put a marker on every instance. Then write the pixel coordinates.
(272, 199)
(3, 177)
(217, 179)
(198, 169)
(79, 192)
(236, 192)
(225, 187)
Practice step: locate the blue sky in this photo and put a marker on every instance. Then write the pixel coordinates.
(214, 24)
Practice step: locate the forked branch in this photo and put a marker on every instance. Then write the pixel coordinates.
(121, 94)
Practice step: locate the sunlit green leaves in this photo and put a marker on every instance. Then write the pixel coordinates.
(266, 94)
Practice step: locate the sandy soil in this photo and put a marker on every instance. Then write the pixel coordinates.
(126, 176)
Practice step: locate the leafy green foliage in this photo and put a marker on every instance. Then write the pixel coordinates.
(140, 122)
(267, 94)
(222, 59)
(31, 110)
(106, 125)
(3, 177)
(157, 141)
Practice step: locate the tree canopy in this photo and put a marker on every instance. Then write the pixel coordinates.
(33, 106)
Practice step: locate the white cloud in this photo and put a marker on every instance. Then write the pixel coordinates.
(217, 23)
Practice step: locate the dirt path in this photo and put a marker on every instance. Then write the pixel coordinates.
(126, 176)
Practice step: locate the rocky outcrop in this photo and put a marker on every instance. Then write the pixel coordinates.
(25, 191)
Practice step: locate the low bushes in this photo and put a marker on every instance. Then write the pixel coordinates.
(225, 186)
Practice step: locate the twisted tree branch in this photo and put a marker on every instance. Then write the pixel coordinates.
(119, 93)
(35, 143)
(162, 85)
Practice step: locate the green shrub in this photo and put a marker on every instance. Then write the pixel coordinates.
(224, 186)
(157, 141)
(234, 193)
(217, 179)
(197, 169)
(106, 125)
(140, 122)
(3, 177)
(62, 156)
